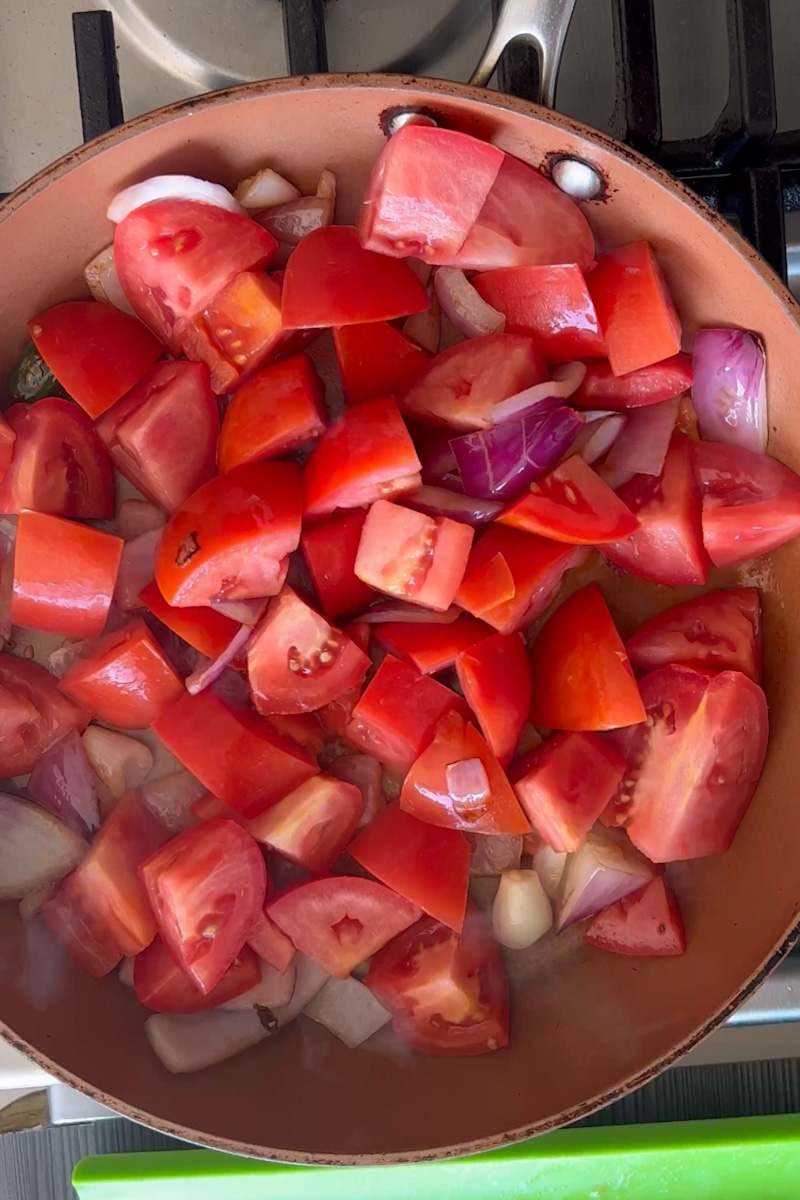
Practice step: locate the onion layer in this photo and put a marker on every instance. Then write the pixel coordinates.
(36, 847)
(289, 223)
(170, 187)
(62, 781)
(192, 1041)
(521, 912)
(349, 1010)
(566, 380)
(265, 189)
(642, 445)
(605, 869)
(503, 461)
(463, 306)
(730, 387)
(273, 990)
(439, 502)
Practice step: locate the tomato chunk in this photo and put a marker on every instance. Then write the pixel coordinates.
(163, 986)
(226, 542)
(237, 331)
(376, 360)
(364, 455)
(461, 386)
(495, 677)
(330, 550)
(208, 631)
(571, 504)
(342, 920)
(485, 585)
(720, 631)
(668, 545)
(426, 864)
(447, 991)
(279, 408)
(637, 316)
(235, 753)
(551, 304)
(7, 438)
(207, 888)
(124, 679)
(332, 280)
(64, 575)
(644, 923)
(271, 944)
(602, 389)
(431, 648)
(335, 717)
(34, 715)
(313, 824)
(58, 464)
(414, 557)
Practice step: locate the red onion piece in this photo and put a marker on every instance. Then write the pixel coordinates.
(425, 328)
(437, 461)
(492, 853)
(36, 847)
(603, 871)
(399, 610)
(349, 1010)
(192, 1041)
(171, 797)
(211, 671)
(118, 760)
(62, 782)
(265, 189)
(642, 445)
(137, 517)
(463, 306)
(367, 775)
(439, 502)
(289, 223)
(245, 612)
(597, 436)
(730, 387)
(8, 541)
(136, 569)
(467, 782)
(504, 460)
(273, 990)
(566, 380)
(169, 187)
(103, 282)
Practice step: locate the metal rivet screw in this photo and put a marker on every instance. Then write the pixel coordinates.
(408, 116)
(577, 178)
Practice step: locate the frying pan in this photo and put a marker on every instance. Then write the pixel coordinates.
(586, 1026)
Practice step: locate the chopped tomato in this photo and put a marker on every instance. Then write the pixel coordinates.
(425, 192)
(461, 386)
(644, 923)
(637, 316)
(571, 504)
(162, 985)
(82, 929)
(431, 647)
(277, 409)
(297, 662)
(271, 944)
(64, 575)
(162, 435)
(58, 463)
(226, 542)
(331, 280)
(696, 763)
(124, 679)
(34, 715)
(207, 888)
(581, 675)
(447, 992)
(174, 256)
(204, 628)
(330, 550)
(720, 631)
(551, 304)
(303, 728)
(412, 556)
(364, 455)
(485, 585)
(313, 824)
(396, 717)
(429, 792)
(751, 502)
(566, 783)
(234, 752)
(335, 716)
(376, 360)
(342, 920)
(602, 389)
(537, 567)
(526, 221)
(495, 678)
(7, 438)
(426, 864)
(668, 545)
(237, 331)
(95, 351)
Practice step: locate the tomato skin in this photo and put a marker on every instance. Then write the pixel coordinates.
(64, 575)
(427, 865)
(550, 304)
(280, 407)
(636, 314)
(58, 465)
(692, 777)
(602, 389)
(447, 992)
(313, 824)
(34, 715)
(720, 631)
(330, 550)
(431, 648)
(162, 985)
(206, 887)
(332, 280)
(376, 360)
(7, 438)
(271, 944)
(227, 540)
(495, 677)
(646, 923)
(204, 628)
(234, 753)
(364, 455)
(571, 504)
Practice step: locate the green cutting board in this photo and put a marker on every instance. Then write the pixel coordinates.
(752, 1158)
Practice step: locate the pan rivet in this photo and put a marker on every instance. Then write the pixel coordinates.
(407, 116)
(577, 178)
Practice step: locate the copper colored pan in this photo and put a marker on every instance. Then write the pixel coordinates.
(586, 1027)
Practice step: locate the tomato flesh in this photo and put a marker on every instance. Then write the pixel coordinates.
(208, 631)
(271, 944)
(163, 986)
(376, 360)
(313, 824)
(495, 677)
(636, 314)
(571, 504)
(34, 715)
(550, 304)
(602, 389)
(330, 550)
(277, 409)
(646, 923)
(431, 648)
(486, 585)
(720, 631)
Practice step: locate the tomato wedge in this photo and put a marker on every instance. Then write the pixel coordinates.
(486, 585)
(582, 679)
(720, 631)
(58, 464)
(237, 331)
(447, 992)
(572, 504)
(363, 456)
(163, 986)
(495, 677)
(226, 542)
(335, 717)
(602, 389)
(461, 386)
(271, 944)
(426, 864)
(208, 631)
(207, 888)
(279, 408)
(751, 502)
(34, 715)
(431, 648)
(642, 924)
(330, 550)
(64, 575)
(313, 824)
(551, 304)
(668, 545)
(234, 752)
(332, 280)
(376, 360)
(82, 930)
(342, 920)
(297, 662)
(636, 313)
